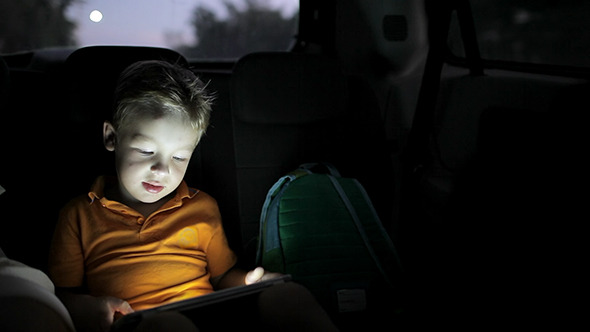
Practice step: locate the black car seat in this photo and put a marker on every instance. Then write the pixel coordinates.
(55, 150)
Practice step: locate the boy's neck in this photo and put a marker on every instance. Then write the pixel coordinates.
(114, 193)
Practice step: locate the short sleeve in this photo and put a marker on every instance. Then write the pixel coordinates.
(220, 258)
(66, 261)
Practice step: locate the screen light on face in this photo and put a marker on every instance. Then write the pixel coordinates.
(95, 16)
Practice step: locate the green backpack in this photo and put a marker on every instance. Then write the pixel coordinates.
(323, 230)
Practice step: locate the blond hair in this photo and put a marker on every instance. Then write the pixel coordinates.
(157, 89)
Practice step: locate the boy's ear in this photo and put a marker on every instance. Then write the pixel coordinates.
(109, 136)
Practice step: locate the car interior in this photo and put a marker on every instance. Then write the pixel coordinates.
(466, 159)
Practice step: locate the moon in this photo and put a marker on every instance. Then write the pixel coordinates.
(95, 16)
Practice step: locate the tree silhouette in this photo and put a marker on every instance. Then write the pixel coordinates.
(257, 27)
(34, 24)
(542, 31)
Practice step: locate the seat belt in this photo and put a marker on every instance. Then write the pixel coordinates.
(417, 154)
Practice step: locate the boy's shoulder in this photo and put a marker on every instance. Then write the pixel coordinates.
(95, 193)
(197, 194)
(192, 195)
(78, 201)
(197, 199)
(76, 206)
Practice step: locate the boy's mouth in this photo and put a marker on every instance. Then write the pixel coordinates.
(152, 188)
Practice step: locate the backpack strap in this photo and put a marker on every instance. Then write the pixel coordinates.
(361, 229)
(269, 231)
(382, 230)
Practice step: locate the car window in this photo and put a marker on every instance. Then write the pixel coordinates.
(196, 28)
(539, 32)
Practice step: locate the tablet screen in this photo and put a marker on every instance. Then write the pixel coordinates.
(127, 322)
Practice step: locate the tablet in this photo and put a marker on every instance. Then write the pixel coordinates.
(203, 308)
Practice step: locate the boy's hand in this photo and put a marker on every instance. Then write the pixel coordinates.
(100, 313)
(258, 274)
(91, 313)
(115, 308)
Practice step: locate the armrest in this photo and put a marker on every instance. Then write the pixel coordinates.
(27, 301)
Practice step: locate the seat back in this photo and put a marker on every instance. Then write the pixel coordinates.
(289, 109)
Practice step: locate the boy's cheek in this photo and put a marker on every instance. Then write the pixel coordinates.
(131, 166)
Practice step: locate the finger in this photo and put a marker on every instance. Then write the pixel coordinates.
(254, 275)
(125, 308)
(270, 275)
(118, 305)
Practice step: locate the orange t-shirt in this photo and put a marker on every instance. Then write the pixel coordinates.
(114, 251)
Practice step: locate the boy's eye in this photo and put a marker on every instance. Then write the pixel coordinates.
(179, 158)
(144, 152)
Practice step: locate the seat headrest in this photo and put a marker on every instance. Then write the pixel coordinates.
(117, 58)
(286, 88)
(93, 72)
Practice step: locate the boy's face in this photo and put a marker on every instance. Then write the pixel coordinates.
(151, 156)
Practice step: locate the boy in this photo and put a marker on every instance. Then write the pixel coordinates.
(145, 238)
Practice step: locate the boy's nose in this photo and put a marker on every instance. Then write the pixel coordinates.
(160, 168)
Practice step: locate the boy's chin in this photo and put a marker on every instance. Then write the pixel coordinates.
(147, 198)
(151, 200)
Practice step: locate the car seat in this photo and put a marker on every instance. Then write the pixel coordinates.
(28, 301)
(55, 150)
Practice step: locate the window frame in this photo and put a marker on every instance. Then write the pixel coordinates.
(472, 42)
